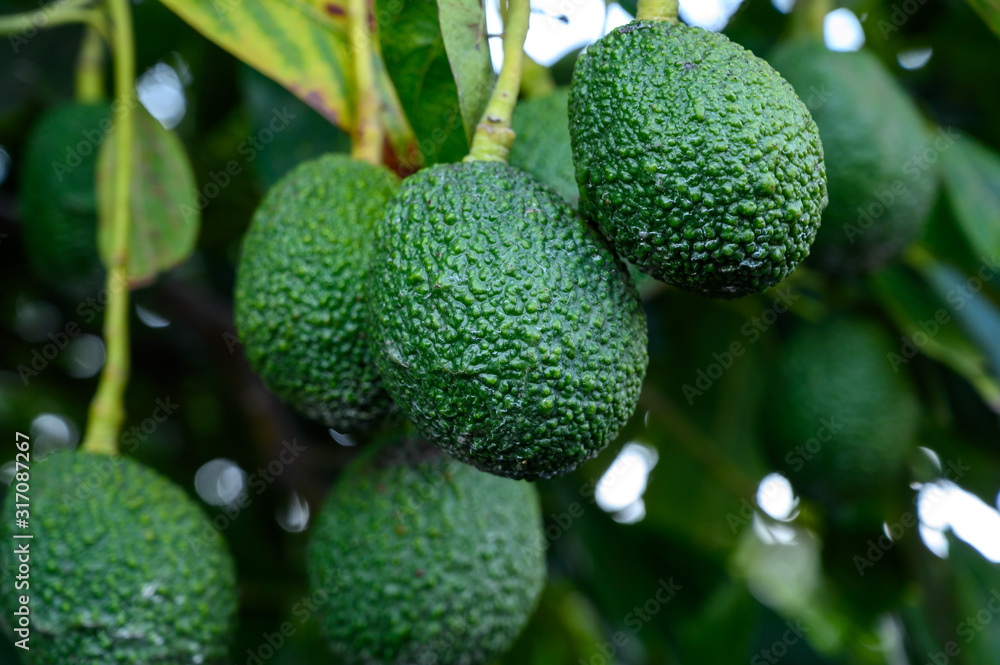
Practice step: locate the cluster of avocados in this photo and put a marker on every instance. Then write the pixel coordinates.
(491, 306)
(475, 301)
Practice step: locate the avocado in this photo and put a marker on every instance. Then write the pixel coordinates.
(696, 159)
(300, 301)
(881, 188)
(59, 198)
(502, 324)
(124, 567)
(841, 420)
(542, 144)
(419, 558)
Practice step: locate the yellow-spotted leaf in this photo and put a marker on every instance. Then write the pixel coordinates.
(164, 202)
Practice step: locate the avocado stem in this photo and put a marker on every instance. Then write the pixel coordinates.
(107, 410)
(90, 68)
(56, 13)
(657, 10)
(808, 17)
(493, 137)
(369, 134)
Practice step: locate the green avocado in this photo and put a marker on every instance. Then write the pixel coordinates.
(841, 419)
(503, 325)
(422, 559)
(881, 185)
(300, 299)
(125, 568)
(696, 159)
(541, 146)
(59, 198)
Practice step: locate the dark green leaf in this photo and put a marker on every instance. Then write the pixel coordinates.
(928, 324)
(417, 62)
(166, 214)
(972, 174)
(990, 11)
(463, 26)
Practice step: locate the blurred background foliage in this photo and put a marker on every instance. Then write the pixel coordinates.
(676, 545)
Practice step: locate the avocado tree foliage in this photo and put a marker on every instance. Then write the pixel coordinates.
(481, 367)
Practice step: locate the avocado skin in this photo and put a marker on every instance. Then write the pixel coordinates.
(300, 300)
(873, 139)
(696, 159)
(125, 567)
(59, 197)
(835, 376)
(503, 325)
(424, 559)
(541, 146)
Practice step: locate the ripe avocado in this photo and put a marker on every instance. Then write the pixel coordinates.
(125, 567)
(841, 420)
(503, 325)
(881, 188)
(696, 159)
(59, 198)
(542, 144)
(423, 559)
(301, 291)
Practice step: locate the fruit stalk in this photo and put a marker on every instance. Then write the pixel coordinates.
(369, 135)
(57, 13)
(808, 17)
(89, 68)
(657, 10)
(494, 136)
(107, 411)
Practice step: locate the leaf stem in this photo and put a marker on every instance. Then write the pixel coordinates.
(51, 15)
(493, 137)
(369, 134)
(107, 411)
(90, 68)
(657, 10)
(808, 17)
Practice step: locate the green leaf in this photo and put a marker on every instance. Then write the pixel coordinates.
(989, 10)
(164, 200)
(928, 324)
(972, 175)
(300, 44)
(463, 27)
(303, 45)
(417, 62)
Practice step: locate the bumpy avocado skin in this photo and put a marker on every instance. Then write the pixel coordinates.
(503, 325)
(125, 567)
(834, 389)
(59, 199)
(698, 161)
(542, 145)
(300, 297)
(423, 559)
(881, 188)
